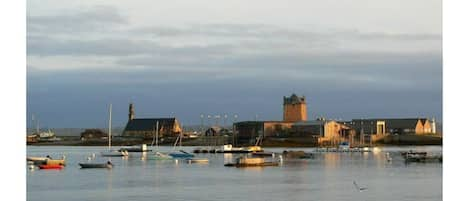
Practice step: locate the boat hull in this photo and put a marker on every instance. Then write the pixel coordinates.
(251, 165)
(114, 154)
(51, 167)
(95, 165)
(181, 155)
(197, 160)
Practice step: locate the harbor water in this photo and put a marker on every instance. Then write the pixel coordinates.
(326, 176)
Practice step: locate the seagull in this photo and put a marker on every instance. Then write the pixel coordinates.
(358, 187)
(388, 157)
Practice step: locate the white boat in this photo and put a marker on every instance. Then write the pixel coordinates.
(112, 153)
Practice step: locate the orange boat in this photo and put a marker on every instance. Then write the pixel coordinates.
(53, 166)
(55, 162)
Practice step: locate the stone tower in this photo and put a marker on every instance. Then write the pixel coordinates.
(131, 112)
(294, 108)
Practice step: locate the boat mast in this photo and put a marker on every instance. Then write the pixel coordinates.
(109, 129)
(180, 136)
(157, 133)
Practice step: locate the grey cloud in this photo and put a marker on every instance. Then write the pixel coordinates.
(95, 18)
(270, 31)
(46, 46)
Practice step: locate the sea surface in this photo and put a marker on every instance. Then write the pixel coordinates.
(327, 176)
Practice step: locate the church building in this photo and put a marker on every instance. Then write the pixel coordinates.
(146, 127)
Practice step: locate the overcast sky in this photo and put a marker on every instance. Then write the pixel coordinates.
(350, 58)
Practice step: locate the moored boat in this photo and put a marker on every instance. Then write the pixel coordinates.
(181, 154)
(51, 166)
(109, 152)
(159, 156)
(96, 165)
(248, 162)
(55, 162)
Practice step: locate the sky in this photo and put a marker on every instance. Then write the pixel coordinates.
(349, 58)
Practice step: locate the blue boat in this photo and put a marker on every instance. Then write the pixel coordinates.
(181, 154)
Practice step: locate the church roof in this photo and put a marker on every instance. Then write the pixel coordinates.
(149, 124)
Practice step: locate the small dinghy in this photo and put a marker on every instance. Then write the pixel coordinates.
(96, 165)
(51, 166)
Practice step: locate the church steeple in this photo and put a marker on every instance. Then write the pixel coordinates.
(131, 112)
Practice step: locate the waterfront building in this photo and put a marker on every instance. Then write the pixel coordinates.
(416, 126)
(323, 131)
(294, 108)
(396, 126)
(146, 127)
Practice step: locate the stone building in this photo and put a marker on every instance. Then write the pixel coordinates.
(323, 131)
(146, 127)
(294, 108)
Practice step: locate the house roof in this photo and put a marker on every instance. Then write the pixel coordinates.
(311, 123)
(394, 123)
(148, 124)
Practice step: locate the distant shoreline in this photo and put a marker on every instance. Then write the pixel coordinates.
(404, 140)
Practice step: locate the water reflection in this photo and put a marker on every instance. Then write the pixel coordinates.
(328, 176)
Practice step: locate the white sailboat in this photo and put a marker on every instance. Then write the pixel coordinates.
(158, 155)
(109, 152)
(181, 153)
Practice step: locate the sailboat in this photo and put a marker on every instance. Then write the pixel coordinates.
(181, 153)
(158, 155)
(112, 153)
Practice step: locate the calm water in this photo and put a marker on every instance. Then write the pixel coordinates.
(328, 176)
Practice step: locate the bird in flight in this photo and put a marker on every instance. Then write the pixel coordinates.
(358, 187)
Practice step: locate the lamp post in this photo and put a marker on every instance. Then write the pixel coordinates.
(224, 120)
(201, 123)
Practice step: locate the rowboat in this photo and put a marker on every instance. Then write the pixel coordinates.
(95, 165)
(53, 166)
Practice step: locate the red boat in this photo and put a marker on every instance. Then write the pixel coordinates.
(51, 166)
